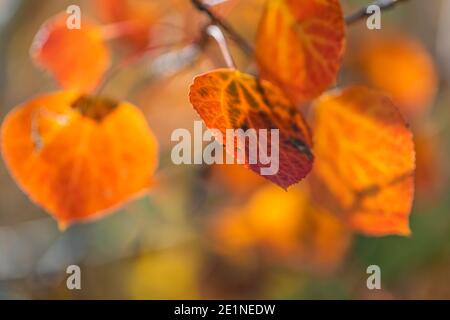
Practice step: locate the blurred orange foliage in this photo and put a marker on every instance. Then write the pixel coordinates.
(281, 225)
(236, 178)
(403, 68)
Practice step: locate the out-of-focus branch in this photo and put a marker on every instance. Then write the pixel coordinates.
(362, 13)
(227, 28)
(172, 62)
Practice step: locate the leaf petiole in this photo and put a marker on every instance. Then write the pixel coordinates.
(216, 33)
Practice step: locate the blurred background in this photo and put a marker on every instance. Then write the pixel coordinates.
(221, 231)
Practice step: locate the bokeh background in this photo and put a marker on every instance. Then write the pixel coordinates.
(221, 232)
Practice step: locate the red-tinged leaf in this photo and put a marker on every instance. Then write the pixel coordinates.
(300, 44)
(76, 58)
(364, 169)
(229, 99)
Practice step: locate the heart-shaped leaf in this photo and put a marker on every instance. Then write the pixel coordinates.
(228, 99)
(76, 156)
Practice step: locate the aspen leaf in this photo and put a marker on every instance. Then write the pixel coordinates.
(76, 58)
(412, 80)
(78, 157)
(364, 161)
(300, 44)
(229, 99)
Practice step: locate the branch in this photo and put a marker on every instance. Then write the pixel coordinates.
(362, 13)
(248, 49)
(216, 33)
(235, 36)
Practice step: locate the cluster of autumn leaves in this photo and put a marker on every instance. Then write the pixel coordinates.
(79, 155)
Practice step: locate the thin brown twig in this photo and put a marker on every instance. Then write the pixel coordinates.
(363, 13)
(227, 28)
(129, 60)
(249, 50)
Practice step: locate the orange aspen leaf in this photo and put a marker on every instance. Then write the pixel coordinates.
(76, 156)
(300, 45)
(364, 169)
(402, 67)
(76, 58)
(228, 99)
